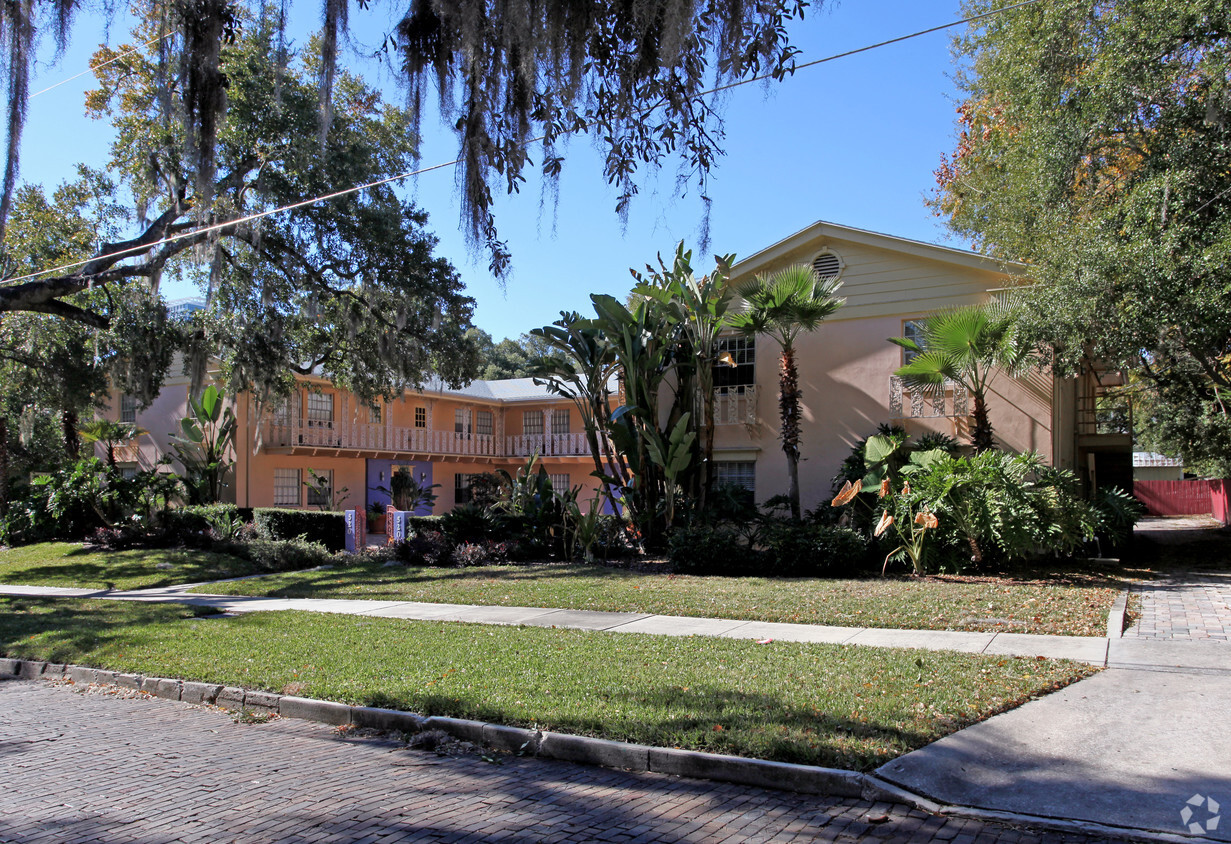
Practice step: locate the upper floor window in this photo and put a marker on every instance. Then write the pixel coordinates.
(483, 422)
(320, 410)
(912, 329)
(420, 417)
(532, 423)
(743, 353)
(128, 409)
(374, 414)
(461, 420)
(560, 421)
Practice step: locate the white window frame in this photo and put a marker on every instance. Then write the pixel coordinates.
(320, 410)
(741, 473)
(283, 487)
(318, 497)
(560, 482)
(561, 422)
(484, 422)
(420, 417)
(744, 351)
(128, 409)
(535, 417)
(912, 329)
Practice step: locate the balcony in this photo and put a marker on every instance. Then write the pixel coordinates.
(927, 404)
(364, 439)
(735, 405)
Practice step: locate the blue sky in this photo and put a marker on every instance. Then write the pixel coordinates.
(854, 141)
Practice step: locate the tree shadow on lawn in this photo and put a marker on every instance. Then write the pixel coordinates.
(375, 580)
(132, 569)
(67, 630)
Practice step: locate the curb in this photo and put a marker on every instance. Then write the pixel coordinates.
(586, 750)
(1115, 617)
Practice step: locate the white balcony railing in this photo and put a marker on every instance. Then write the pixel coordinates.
(376, 437)
(735, 405)
(952, 401)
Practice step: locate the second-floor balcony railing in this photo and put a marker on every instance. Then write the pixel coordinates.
(914, 403)
(392, 439)
(735, 405)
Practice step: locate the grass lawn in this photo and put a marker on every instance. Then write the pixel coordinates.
(72, 564)
(1071, 603)
(831, 705)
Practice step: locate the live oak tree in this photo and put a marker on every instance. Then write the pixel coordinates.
(347, 288)
(632, 76)
(1095, 145)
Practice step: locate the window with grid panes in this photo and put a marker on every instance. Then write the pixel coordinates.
(320, 410)
(374, 414)
(743, 352)
(560, 421)
(461, 420)
(740, 473)
(420, 417)
(912, 329)
(560, 482)
(286, 487)
(462, 493)
(532, 423)
(128, 409)
(484, 422)
(320, 489)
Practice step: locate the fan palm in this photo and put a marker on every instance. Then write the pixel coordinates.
(968, 346)
(110, 434)
(782, 306)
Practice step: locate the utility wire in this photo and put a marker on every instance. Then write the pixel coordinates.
(93, 68)
(409, 173)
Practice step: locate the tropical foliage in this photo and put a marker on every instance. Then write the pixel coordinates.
(782, 306)
(967, 347)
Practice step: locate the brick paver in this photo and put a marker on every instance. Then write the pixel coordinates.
(96, 765)
(1184, 605)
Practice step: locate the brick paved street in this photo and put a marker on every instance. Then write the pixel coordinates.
(81, 766)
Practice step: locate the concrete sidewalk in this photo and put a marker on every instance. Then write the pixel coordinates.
(1127, 748)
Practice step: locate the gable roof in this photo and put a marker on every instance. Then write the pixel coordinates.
(823, 230)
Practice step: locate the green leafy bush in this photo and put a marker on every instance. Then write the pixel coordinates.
(812, 550)
(320, 526)
(709, 549)
(425, 548)
(468, 523)
(278, 554)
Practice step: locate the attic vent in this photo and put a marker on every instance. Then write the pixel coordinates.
(827, 266)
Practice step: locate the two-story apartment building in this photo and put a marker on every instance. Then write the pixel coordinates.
(846, 368)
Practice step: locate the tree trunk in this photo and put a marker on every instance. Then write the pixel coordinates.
(981, 433)
(4, 466)
(788, 406)
(72, 444)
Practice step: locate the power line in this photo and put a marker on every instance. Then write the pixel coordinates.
(93, 68)
(417, 172)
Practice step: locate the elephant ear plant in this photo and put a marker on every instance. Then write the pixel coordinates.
(206, 436)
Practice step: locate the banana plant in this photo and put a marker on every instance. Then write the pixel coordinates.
(206, 436)
(672, 456)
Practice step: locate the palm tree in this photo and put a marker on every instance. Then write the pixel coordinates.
(968, 346)
(110, 434)
(782, 306)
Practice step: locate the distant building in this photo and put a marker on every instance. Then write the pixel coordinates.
(1148, 466)
(182, 308)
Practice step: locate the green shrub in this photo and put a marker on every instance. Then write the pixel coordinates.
(425, 548)
(279, 554)
(709, 549)
(198, 518)
(468, 523)
(323, 527)
(812, 550)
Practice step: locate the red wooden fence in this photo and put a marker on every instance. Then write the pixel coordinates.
(1175, 498)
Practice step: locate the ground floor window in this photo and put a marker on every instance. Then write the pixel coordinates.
(286, 487)
(560, 482)
(320, 488)
(462, 493)
(740, 473)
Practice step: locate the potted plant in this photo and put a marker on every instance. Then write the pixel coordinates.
(376, 519)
